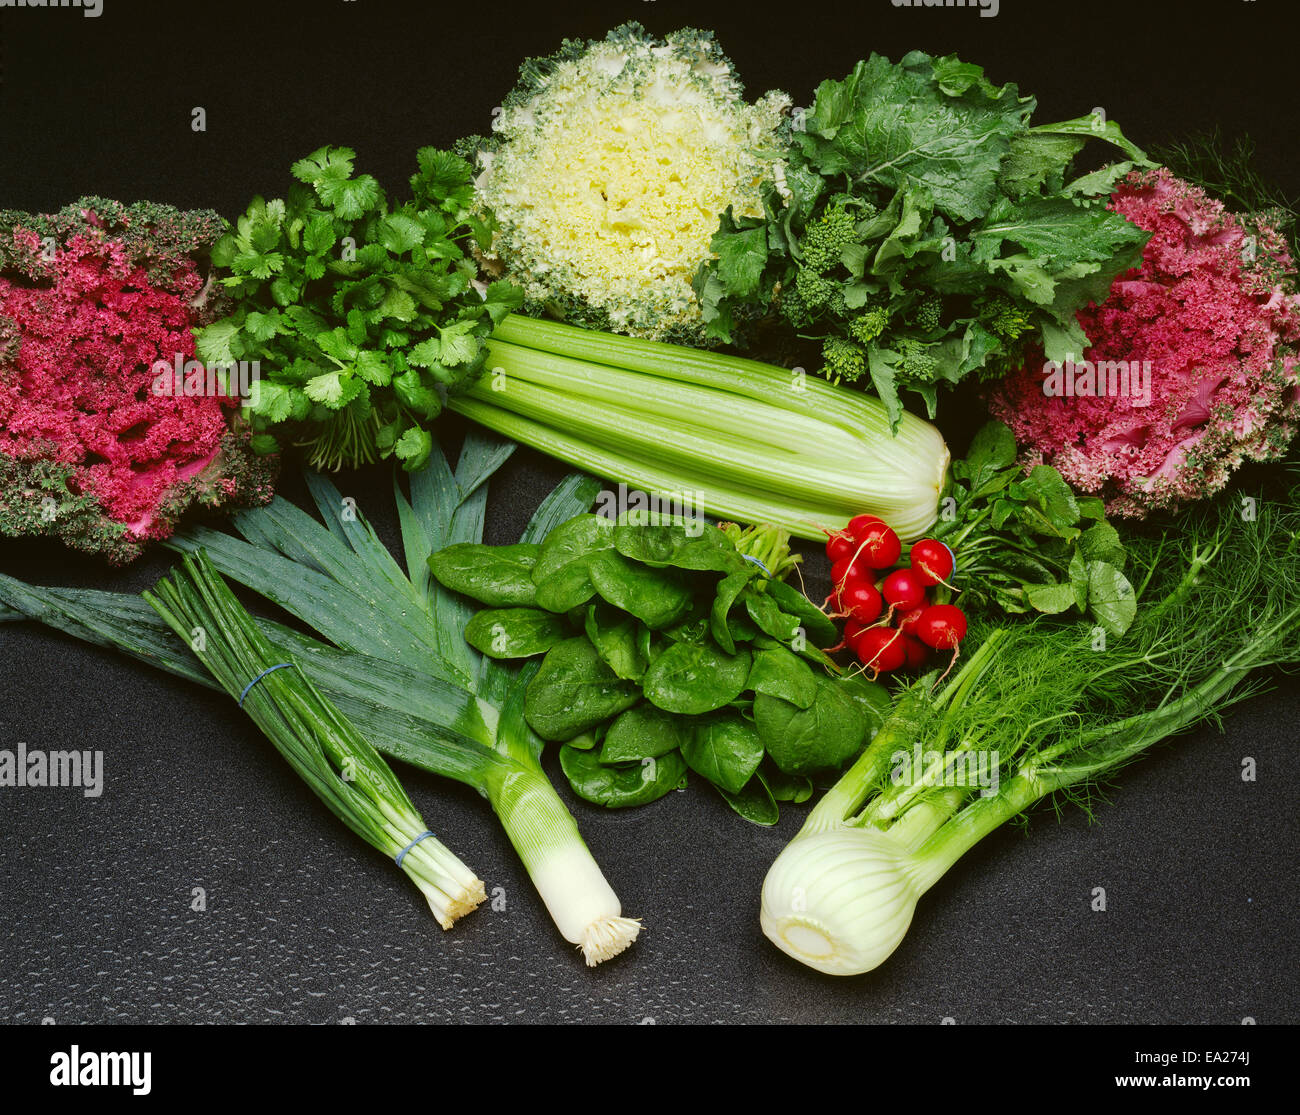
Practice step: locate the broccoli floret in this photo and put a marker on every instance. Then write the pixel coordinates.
(845, 362)
(918, 363)
(869, 325)
(927, 315)
(825, 238)
(815, 290)
(1003, 318)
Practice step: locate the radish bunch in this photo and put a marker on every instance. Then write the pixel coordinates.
(892, 622)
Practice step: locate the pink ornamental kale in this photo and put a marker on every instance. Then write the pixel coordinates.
(1214, 311)
(91, 298)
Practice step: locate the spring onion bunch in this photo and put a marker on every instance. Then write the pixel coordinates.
(741, 439)
(319, 742)
(1040, 709)
(388, 650)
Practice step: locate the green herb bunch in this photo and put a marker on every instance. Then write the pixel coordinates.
(923, 231)
(1026, 542)
(361, 314)
(667, 650)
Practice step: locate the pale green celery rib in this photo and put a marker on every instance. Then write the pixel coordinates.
(734, 374)
(705, 408)
(735, 501)
(717, 453)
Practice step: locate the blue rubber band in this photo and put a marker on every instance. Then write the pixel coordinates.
(402, 854)
(281, 666)
(755, 560)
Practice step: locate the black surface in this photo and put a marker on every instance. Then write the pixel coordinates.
(304, 923)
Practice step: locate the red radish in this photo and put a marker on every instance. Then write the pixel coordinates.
(903, 589)
(941, 626)
(859, 523)
(879, 546)
(839, 547)
(908, 620)
(860, 600)
(933, 561)
(881, 649)
(915, 653)
(853, 631)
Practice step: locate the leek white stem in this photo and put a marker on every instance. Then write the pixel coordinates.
(580, 901)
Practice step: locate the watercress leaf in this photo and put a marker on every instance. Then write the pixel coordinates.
(992, 450)
(690, 679)
(755, 802)
(1053, 495)
(658, 598)
(574, 691)
(1111, 598)
(1051, 599)
(1101, 542)
(643, 732)
(781, 673)
(614, 635)
(499, 576)
(725, 749)
(620, 787)
(514, 632)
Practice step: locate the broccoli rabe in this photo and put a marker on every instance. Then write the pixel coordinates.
(844, 361)
(825, 238)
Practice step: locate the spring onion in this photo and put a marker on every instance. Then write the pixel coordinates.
(1040, 709)
(318, 741)
(744, 440)
(388, 649)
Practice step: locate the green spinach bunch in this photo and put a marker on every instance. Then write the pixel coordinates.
(361, 314)
(1026, 542)
(664, 649)
(923, 231)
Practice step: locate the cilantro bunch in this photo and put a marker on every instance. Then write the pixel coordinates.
(361, 315)
(923, 231)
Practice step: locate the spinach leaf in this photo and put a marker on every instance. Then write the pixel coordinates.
(794, 788)
(782, 673)
(616, 639)
(514, 632)
(694, 546)
(499, 576)
(729, 591)
(578, 538)
(804, 741)
(643, 732)
(618, 787)
(725, 749)
(658, 598)
(755, 802)
(821, 630)
(690, 679)
(574, 691)
(562, 571)
(765, 612)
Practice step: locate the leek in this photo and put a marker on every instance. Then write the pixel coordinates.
(1040, 709)
(388, 650)
(744, 440)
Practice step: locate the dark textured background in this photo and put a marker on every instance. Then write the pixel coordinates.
(306, 924)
